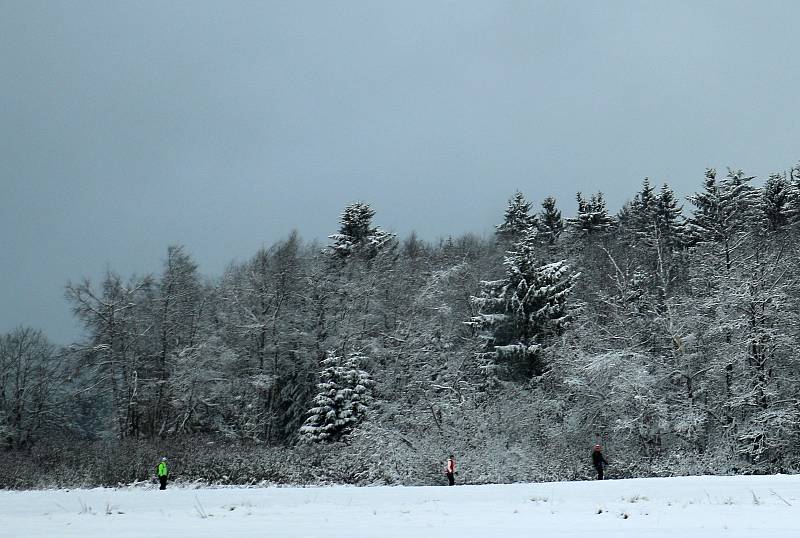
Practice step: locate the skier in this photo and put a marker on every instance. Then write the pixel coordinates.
(598, 461)
(450, 470)
(163, 473)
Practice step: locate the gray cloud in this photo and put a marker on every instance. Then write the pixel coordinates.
(127, 126)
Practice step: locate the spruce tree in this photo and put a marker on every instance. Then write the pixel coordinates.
(518, 221)
(519, 315)
(776, 202)
(671, 224)
(643, 208)
(723, 211)
(550, 223)
(592, 218)
(794, 186)
(342, 401)
(637, 218)
(742, 196)
(708, 213)
(357, 235)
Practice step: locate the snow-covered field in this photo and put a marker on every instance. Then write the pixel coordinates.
(753, 507)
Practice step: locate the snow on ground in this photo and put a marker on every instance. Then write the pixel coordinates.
(689, 507)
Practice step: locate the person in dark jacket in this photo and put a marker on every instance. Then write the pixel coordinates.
(450, 470)
(598, 461)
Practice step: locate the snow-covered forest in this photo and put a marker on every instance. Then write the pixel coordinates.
(668, 331)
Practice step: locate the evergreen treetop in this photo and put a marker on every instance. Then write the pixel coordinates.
(517, 221)
(357, 235)
(592, 218)
(550, 223)
(776, 202)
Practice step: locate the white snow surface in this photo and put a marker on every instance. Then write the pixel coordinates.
(686, 507)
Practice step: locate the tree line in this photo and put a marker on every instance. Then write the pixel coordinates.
(669, 333)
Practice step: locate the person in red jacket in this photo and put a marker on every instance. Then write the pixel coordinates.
(450, 470)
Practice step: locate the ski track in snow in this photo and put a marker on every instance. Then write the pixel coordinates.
(686, 507)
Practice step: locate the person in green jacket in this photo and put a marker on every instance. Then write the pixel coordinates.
(163, 473)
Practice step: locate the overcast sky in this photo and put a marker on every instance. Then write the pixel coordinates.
(129, 126)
